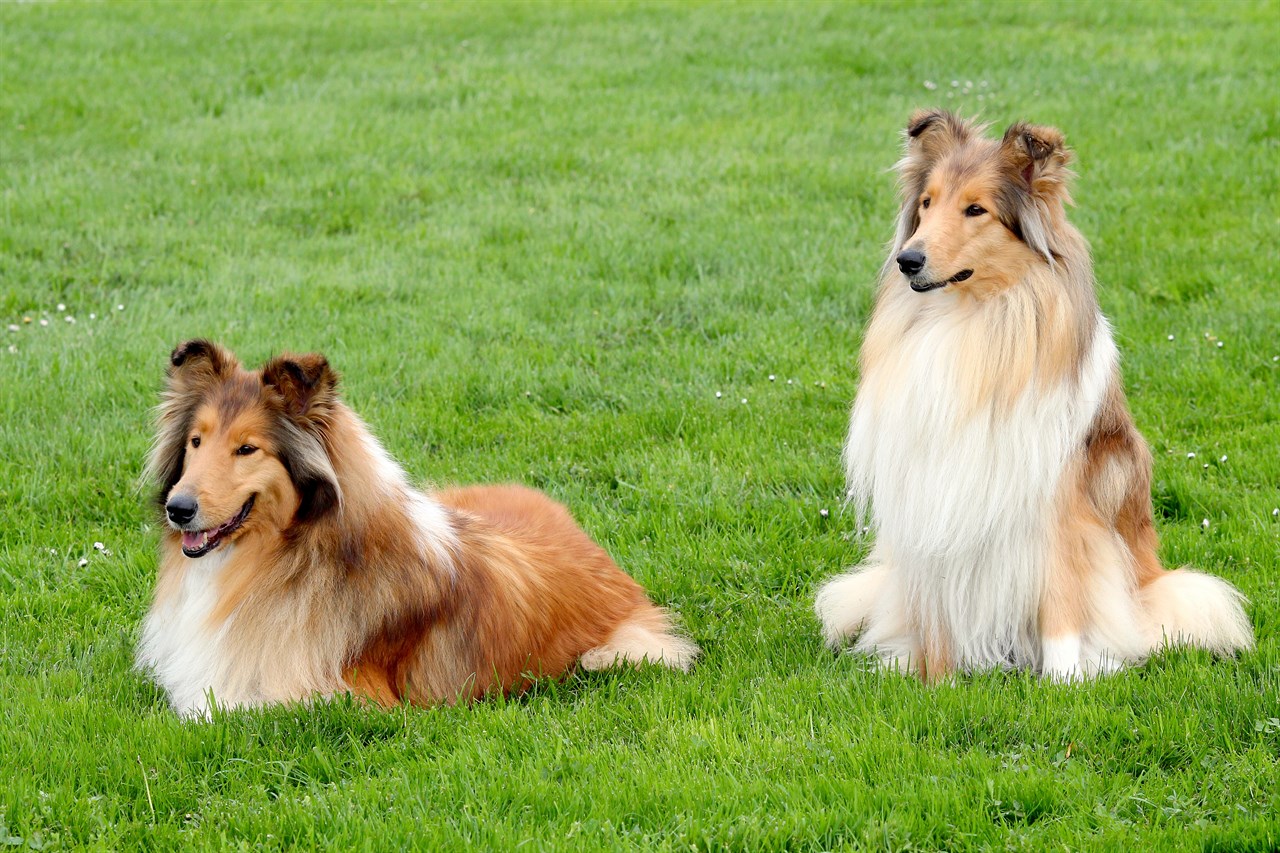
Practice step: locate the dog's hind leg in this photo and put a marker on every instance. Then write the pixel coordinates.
(1176, 607)
(1064, 600)
(1088, 617)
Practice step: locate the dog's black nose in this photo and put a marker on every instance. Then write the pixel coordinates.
(181, 509)
(910, 261)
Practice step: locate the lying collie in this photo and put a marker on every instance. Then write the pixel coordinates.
(1008, 488)
(300, 562)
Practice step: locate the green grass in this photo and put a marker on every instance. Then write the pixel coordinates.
(538, 240)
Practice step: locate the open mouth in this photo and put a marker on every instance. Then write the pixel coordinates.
(926, 286)
(197, 543)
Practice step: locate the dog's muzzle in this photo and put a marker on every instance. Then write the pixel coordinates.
(926, 286)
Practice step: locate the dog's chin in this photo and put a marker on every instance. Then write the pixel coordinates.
(197, 543)
(921, 286)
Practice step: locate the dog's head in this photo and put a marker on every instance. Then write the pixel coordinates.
(976, 212)
(238, 452)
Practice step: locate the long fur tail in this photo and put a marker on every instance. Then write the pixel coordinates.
(1194, 609)
(647, 635)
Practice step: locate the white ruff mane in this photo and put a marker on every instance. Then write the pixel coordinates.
(962, 504)
(179, 647)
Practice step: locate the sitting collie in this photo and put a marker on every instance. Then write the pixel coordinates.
(300, 562)
(1008, 489)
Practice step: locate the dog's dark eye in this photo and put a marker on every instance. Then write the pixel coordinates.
(245, 450)
(195, 441)
(925, 203)
(974, 210)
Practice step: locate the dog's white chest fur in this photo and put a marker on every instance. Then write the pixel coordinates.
(179, 645)
(961, 502)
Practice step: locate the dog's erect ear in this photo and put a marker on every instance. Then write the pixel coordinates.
(194, 367)
(306, 383)
(931, 133)
(1037, 157)
(1034, 160)
(197, 360)
(929, 136)
(307, 387)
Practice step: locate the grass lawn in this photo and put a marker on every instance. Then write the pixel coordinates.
(622, 252)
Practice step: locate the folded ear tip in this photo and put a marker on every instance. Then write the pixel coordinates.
(301, 380)
(1015, 131)
(922, 120)
(197, 348)
(185, 350)
(919, 120)
(1039, 141)
(310, 368)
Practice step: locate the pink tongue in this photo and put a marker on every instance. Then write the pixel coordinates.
(192, 541)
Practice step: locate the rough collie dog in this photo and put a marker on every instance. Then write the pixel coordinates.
(1008, 489)
(300, 562)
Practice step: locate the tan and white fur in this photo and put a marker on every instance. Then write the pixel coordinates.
(299, 561)
(991, 443)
